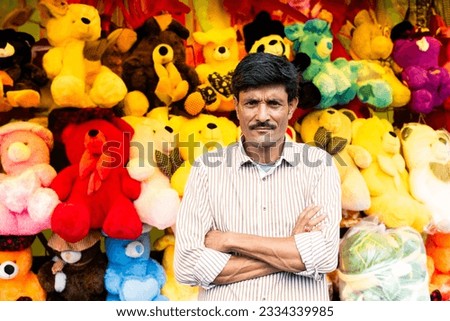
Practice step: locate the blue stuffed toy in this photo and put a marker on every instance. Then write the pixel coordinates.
(131, 275)
(339, 81)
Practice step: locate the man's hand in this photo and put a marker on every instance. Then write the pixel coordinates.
(306, 221)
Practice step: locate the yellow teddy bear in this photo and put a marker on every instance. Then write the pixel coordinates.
(330, 129)
(197, 136)
(221, 53)
(370, 43)
(387, 177)
(77, 81)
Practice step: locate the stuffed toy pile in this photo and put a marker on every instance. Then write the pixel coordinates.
(387, 177)
(26, 201)
(17, 281)
(371, 44)
(76, 271)
(339, 81)
(76, 81)
(418, 56)
(20, 79)
(427, 155)
(131, 274)
(96, 191)
(379, 264)
(331, 130)
(156, 65)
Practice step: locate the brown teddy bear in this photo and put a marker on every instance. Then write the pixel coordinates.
(76, 272)
(157, 65)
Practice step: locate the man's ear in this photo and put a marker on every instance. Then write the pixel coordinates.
(292, 107)
(236, 104)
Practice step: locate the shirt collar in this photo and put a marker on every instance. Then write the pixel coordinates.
(287, 155)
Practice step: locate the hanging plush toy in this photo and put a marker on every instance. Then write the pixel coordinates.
(20, 79)
(131, 274)
(339, 81)
(76, 81)
(156, 65)
(417, 54)
(96, 191)
(26, 201)
(17, 281)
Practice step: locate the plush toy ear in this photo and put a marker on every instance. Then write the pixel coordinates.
(179, 29)
(349, 113)
(51, 9)
(150, 27)
(262, 26)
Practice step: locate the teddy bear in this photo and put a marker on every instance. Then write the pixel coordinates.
(156, 65)
(221, 55)
(17, 280)
(76, 81)
(437, 247)
(96, 191)
(370, 43)
(417, 55)
(331, 130)
(131, 274)
(339, 81)
(172, 289)
(265, 34)
(76, 271)
(21, 79)
(197, 136)
(377, 263)
(427, 156)
(387, 177)
(153, 159)
(26, 199)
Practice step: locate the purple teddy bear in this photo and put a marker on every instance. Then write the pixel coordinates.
(418, 56)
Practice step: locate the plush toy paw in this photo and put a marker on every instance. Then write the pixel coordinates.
(120, 226)
(108, 89)
(8, 221)
(195, 103)
(139, 290)
(376, 93)
(70, 91)
(140, 170)
(70, 221)
(42, 203)
(23, 98)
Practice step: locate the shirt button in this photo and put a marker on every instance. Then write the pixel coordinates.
(264, 208)
(264, 179)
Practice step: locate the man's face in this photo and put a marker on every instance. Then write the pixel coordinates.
(263, 114)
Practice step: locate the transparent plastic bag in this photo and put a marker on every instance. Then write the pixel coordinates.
(379, 264)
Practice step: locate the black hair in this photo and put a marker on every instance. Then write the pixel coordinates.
(263, 69)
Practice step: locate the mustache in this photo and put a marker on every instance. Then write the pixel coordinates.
(264, 124)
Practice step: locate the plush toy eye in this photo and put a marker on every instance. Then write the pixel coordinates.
(442, 140)
(134, 249)
(315, 43)
(8, 270)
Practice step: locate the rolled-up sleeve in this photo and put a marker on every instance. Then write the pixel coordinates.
(319, 250)
(195, 264)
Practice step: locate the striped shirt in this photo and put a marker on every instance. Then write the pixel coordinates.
(227, 191)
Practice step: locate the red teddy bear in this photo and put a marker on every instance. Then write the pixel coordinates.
(96, 191)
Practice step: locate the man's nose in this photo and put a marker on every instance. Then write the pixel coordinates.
(262, 113)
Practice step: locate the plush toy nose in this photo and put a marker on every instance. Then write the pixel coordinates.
(86, 21)
(93, 133)
(222, 50)
(18, 152)
(169, 129)
(393, 134)
(211, 125)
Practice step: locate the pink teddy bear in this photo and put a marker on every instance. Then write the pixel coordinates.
(26, 201)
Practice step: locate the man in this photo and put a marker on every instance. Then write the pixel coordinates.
(259, 219)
